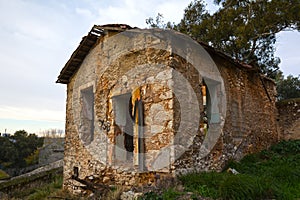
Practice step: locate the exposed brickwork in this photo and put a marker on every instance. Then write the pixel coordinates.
(289, 118)
(112, 71)
(250, 125)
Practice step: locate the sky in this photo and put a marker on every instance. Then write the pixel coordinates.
(38, 37)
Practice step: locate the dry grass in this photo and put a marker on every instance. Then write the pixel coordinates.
(115, 193)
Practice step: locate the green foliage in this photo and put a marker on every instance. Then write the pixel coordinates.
(9, 153)
(19, 147)
(157, 23)
(151, 196)
(245, 30)
(170, 194)
(33, 158)
(288, 87)
(240, 187)
(286, 148)
(44, 182)
(204, 184)
(45, 191)
(270, 174)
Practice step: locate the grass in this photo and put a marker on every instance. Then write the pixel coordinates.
(168, 194)
(3, 175)
(53, 190)
(270, 174)
(47, 190)
(37, 186)
(41, 192)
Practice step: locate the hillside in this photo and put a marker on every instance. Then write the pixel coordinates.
(270, 174)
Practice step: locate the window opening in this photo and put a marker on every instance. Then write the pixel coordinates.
(87, 115)
(138, 115)
(210, 90)
(75, 172)
(123, 127)
(129, 122)
(205, 101)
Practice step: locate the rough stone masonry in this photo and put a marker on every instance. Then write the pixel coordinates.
(144, 105)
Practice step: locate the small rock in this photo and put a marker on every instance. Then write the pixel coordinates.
(130, 195)
(106, 179)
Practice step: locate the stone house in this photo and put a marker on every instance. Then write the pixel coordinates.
(146, 104)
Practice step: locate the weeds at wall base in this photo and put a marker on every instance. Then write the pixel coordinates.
(270, 174)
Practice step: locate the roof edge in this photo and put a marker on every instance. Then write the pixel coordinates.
(86, 44)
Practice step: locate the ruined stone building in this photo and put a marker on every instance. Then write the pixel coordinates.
(145, 104)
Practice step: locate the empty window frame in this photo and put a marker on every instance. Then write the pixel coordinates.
(87, 115)
(123, 127)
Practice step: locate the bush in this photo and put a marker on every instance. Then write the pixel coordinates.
(33, 158)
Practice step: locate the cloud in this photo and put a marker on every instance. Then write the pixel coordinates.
(135, 13)
(172, 11)
(32, 52)
(38, 37)
(84, 12)
(21, 113)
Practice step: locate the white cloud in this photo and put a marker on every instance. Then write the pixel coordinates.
(84, 12)
(38, 37)
(172, 11)
(135, 13)
(21, 113)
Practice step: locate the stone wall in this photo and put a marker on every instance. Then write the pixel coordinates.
(13, 187)
(289, 118)
(173, 139)
(96, 162)
(250, 123)
(52, 150)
